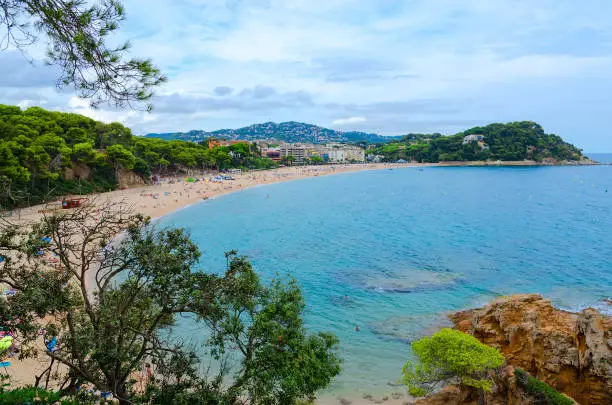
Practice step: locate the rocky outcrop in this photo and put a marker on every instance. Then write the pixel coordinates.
(77, 171)
(127, 178)
(572, 352)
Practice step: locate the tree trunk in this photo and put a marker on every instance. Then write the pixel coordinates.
(122, 395)
(481, 396)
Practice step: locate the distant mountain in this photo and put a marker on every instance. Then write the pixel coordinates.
(285, 132)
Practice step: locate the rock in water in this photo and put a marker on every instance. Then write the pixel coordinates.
(572, 352)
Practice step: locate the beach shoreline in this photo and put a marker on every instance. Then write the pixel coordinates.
(173, 193)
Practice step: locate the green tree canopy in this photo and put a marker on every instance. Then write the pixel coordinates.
(38, 146)
(450, 356)
(76, 33)
(120, 157)
(524, 140)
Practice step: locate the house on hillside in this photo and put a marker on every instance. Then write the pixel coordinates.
(472, 138)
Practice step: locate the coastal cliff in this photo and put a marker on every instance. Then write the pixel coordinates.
(572, 352)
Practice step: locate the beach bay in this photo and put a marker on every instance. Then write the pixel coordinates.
(395, 251)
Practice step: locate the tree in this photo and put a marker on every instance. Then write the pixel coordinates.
(279, 361)
(76, 32)
(110, 305)
(120, 157)
(317, 160)
(288, 160)
(450, 356)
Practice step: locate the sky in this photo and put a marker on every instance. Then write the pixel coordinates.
(387, 66)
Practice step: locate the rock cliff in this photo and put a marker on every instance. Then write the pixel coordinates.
(572, 352)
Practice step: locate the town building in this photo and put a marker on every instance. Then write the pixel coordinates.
(300, 151)
(272, 153)
(330, 153)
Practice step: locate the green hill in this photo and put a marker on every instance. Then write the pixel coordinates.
(285, 132)
(45, 154)
(514, 141)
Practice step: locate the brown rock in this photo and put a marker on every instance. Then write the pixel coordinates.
(126, 178)
(77, 171)
(572, 352)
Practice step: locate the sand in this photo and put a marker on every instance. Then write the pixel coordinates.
(170, 195)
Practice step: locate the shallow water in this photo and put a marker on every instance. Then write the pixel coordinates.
(395, 251)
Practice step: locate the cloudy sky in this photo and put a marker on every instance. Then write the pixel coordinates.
(384, 66)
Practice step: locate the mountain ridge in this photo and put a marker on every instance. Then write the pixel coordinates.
(289, 131)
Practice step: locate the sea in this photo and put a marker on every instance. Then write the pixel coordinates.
(395, 251)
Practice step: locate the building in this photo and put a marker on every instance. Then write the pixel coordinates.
(472, 138)
(330, 153)
(300, 151)
(339, 153)
(272, 153)
(375, 158)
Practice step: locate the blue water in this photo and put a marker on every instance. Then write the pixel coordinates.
(601, 157)
(396, 251)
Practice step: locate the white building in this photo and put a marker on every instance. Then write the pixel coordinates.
(331, 152)
(473, 138)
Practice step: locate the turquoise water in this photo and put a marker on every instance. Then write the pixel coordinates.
(395, 251)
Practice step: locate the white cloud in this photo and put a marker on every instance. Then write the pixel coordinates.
(423, 65)
(349, 121)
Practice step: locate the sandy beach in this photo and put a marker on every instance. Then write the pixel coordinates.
(174, 193)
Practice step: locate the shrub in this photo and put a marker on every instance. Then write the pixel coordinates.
(542, 393)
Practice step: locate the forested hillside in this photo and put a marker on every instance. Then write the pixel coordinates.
(38, 148)
(514, 141)
(285, 132)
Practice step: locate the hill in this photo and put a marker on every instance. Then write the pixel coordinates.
(45, 154)
(514, 141)
(284, 132)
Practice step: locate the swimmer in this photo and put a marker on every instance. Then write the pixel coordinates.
(356, 328)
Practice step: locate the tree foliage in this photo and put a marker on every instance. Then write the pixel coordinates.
(111, 305)
(37, 147)
(76, 33)
(512, 141)
(542, 393)
(450, 356)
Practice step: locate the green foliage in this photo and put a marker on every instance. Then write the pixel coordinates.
(31, 395)
(120, 157)
(280, 361)
(76, 33)
(37, 146)
(542, 393)
(317, 160)
(512, 141)
(448, 356)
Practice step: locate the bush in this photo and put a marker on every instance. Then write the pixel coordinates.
(542, 393)
(449, 356)
(31, 395)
